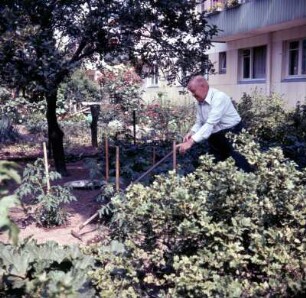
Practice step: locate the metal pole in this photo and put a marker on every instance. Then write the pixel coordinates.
(153, 167)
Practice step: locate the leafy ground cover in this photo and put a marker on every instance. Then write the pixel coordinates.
(216, 231)
(207, 230)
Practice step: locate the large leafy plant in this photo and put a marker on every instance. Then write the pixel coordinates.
(8, 173)
(44, 270)
(215, 232)
(48, 209)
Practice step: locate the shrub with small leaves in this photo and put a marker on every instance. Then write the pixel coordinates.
(263, 115)
(217, 232)
(272, 125)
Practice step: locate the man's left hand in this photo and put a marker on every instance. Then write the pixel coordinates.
(183, 147)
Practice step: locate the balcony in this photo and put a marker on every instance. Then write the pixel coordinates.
(255, 17)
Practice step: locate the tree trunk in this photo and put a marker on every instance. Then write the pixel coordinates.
(95, 111)
(55, 133)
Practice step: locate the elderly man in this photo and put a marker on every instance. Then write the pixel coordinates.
(216, 115)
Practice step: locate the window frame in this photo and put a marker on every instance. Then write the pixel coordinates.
(301, 52)
(222, 62)
(250, 59)
(153, 79)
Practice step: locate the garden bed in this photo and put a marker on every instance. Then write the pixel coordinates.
(79, 211)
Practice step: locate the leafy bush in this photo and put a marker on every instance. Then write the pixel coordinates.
(169, 121)
(5, 95)
(7, 132)
(272, 125)
(44, 270)
(217, 232)
(34, 188)
(264, 116)
(123, 86)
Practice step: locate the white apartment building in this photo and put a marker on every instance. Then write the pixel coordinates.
(261, 45)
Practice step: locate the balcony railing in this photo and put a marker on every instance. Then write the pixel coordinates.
(254, 15)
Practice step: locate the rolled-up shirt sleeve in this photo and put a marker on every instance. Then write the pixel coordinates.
(199, 122)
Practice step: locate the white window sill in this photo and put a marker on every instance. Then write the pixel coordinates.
(252, 81)
(294, 79)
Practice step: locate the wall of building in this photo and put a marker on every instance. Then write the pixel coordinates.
(175, 94)
(292, 91)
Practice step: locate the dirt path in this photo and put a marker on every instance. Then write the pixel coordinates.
(80, 210)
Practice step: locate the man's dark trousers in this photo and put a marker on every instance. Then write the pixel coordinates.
(222, 148)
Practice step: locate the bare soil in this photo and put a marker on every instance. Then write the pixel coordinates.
(79, 210)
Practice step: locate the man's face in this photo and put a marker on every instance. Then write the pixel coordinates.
(198, 90)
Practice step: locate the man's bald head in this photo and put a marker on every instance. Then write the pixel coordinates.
(198, 86)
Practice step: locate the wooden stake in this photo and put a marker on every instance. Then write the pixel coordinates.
(106, 160)
(46, 166)
(134, 126)
(174, 155)
(117, 169)
(154, 156)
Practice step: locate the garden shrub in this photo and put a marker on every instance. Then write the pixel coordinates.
(217, 232)
(8, 134)
(169, 121)
(272, 125)
(123, 87)
(294, 144)
(263, 115)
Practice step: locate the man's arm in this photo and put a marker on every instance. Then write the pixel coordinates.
(219, 106)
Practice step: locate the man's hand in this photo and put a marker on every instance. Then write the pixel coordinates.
(187, 137)
(183, 147)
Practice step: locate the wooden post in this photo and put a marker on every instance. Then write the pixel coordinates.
(134, 126)
(174, 155)
(46, 166)
(154, 156)
(117, 169)
(106, 160)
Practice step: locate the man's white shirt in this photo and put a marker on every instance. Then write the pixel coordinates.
(215, 113)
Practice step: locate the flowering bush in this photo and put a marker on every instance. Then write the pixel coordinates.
(115, 127)
(123, 86)
(169, 120)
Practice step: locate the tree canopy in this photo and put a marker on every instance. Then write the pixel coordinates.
(43, 41)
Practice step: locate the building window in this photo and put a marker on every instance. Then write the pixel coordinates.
(222, 62)
(296, 58)
(152, 80)
(252, 63)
